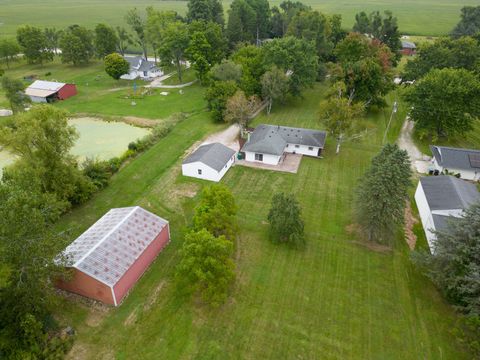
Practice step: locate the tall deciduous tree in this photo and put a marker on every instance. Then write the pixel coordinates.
(312, 26)
(240, 108)
(77, 45)
(138, 25)
(52, 35)
(262, 18)
(217, 95)
(282, 15)
(251, 58)
(366, 68)
(339, 113)
(241, 25)
(206, 265)
(42, 139)
(216, 212)
(443, 53)
(9, 50)
(13, 89)
(274, 86)
(455, 267)
(34, 45)
(123, 39)
(445, 102)
(285, 218)
(297, 58)
(206, 10)
(469, 23)
(105, 40)
(382, 193)
(175, 41)
(28, 247)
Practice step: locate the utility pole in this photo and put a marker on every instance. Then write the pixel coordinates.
(394, 111)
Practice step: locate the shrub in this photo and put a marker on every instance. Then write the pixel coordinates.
(285, 219)
(99, 172)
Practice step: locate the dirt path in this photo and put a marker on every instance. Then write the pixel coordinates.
(420, 162)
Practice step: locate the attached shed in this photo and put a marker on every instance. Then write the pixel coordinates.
(109, 258)
(48, 91)
(209, 162)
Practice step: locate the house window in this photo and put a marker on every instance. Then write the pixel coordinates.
(199, 171)
(297, 146)
(310, 148)
(287, 145)
(259, 157)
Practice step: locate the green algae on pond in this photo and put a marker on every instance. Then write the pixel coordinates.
(98, 139)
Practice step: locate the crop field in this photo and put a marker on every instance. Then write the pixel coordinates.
(335, 299)
(421, 17)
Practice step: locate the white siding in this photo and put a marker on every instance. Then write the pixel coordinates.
(267, 158)
(464, 174)
(208, 173)
(38, 99)
(302, 149)
(425, 216)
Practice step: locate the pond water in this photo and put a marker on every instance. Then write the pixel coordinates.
(100, 139)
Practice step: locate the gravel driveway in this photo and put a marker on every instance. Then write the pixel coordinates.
(420, 162)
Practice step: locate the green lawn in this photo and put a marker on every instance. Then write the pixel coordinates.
(422, 17)
(470, 140)
(100, 94)
(335, 299)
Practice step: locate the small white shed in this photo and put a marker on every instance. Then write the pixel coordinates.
(209, 162)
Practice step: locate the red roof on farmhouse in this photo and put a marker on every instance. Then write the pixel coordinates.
(109, 248)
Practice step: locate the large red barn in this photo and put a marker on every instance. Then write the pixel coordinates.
(48, 91)
(109, 258)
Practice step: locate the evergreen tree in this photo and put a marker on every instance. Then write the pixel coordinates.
(241, 25)
(206, 10)
(455, 266)
(381, 195)
(285, 218)
(469, 23)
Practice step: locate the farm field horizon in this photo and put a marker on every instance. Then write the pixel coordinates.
(422, 17)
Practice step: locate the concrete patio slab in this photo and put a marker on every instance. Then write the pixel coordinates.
(290, 164)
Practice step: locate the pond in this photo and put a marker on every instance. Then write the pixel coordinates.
(100, 139)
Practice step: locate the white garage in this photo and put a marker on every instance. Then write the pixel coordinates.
(440, 200)
(209, 162)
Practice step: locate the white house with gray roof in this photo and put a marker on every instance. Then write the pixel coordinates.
(209, 162)
(270, 143)
(441, 199)
(465, 162)
(141, 68)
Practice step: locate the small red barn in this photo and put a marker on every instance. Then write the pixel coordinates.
(109, 258)
(408, 48)
(48, 91)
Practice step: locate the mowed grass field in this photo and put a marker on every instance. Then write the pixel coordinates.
(421, 17)
(99, 94)
(335, 299)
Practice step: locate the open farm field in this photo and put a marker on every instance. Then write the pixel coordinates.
(421, 17)
(335, 299)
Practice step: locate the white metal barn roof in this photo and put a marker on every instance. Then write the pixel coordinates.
(42, 88)
(110, 246)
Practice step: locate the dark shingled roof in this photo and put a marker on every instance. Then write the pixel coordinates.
(214, 155)
(456, 158)
(140, 64)
(446, 192)
(272, 139)
(442, 222)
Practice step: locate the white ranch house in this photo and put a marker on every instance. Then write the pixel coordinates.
(465, 162)
(141, 68)
(440, 200)
(209, 162)
(269, 143)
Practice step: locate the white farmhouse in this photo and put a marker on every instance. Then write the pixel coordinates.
(465, 162)
(209, 162)
(141, 68)
(441, 199)
(269, 143)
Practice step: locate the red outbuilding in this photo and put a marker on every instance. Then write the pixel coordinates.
(109, 258)
(48, 91)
